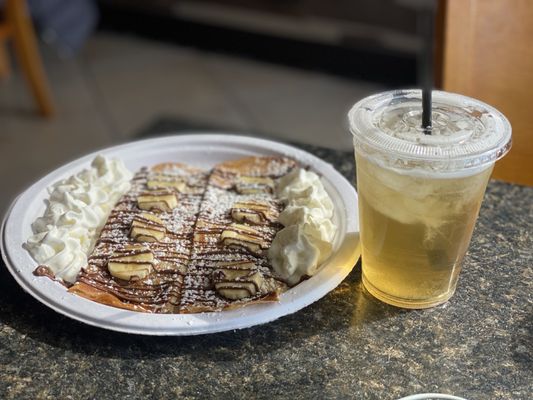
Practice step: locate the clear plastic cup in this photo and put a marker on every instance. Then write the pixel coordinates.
(419, 195)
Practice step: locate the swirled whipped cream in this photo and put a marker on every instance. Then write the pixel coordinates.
(76, 210)
(307, 237)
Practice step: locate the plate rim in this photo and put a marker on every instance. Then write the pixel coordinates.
(350, 248)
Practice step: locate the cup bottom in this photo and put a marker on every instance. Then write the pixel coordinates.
(406, 303)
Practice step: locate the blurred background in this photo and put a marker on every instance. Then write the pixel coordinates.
(79, 75)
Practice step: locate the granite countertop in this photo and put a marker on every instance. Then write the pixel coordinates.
(345, 346)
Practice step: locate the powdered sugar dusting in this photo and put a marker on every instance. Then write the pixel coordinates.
(184, 260)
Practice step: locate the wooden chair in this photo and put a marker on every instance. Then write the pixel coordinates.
(16, 25)
(487, 53)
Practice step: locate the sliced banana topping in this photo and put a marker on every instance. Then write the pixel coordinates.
(254, 185)
(243, 236)
(162, 201)
(159, 181)
(254, 212)
(132, 263)
(151, 218)
(206, 231)
(146, 234)
(238, 281)
(147, 227)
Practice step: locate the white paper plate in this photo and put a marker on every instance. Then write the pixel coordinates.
(202, 151)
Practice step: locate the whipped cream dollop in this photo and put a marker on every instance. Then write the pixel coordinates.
(307, 237)
(76, 210)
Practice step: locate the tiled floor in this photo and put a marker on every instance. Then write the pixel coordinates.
(118, 85)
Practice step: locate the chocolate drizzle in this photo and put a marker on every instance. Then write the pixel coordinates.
(182, 279)
(43, 270)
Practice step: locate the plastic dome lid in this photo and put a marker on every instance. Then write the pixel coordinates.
(466, 134)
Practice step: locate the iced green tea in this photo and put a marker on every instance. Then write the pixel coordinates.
(419, 196)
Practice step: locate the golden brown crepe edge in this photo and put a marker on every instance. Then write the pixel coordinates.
(106, 298)
(258, 165)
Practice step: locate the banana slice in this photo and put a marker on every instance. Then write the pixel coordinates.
(254, 185)
(142, 234)
(207, 231)
(162, 201)
(253, 212)
(152, 218)
(236, 284)
(163, 182)
(147, 227)
(243, 236)
(134, 262)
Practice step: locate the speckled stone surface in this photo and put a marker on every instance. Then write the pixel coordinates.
(346, 346)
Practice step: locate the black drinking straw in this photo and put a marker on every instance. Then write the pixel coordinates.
(426, 23)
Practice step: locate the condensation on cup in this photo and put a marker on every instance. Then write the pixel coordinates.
(419, 194)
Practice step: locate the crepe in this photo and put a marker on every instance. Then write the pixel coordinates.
(186, 240)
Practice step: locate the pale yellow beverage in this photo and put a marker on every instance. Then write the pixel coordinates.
(415, 232)
(419, 193)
